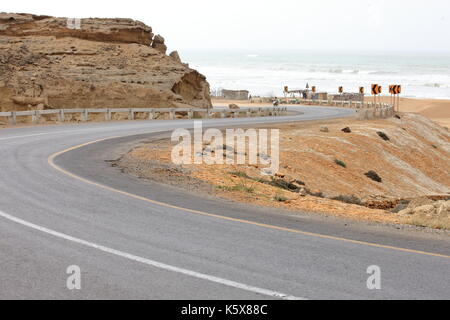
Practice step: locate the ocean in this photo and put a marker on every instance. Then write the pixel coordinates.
(422, 75)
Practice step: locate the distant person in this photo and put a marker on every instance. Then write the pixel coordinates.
(276, 102)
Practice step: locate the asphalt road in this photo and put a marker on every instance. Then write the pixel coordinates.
(75, 209)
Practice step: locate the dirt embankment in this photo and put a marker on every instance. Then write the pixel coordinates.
(371, 173)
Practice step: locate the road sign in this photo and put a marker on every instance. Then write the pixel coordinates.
(341, 89)
(376, 89)
(395, 89)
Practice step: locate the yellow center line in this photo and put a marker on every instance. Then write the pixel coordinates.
(51, 162)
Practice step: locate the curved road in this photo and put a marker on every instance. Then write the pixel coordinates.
(62, 206)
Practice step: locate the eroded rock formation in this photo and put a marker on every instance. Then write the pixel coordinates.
(46, 62)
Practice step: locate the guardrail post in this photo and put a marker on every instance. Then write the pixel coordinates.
(222, 114)
(108, 115)
(13, 118)
(84, 115)
(190, 114)
(172, 114)
(249, 113)
(61, 116)
(151, 114)
(35, 117)
(130, 114)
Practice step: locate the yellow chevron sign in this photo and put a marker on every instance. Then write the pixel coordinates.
(396, 89)
(376, 89)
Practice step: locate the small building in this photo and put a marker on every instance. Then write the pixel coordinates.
(235, 94)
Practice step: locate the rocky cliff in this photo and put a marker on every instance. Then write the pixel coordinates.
(48, 62)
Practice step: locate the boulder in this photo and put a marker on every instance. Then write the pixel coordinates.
(175, 55)
(303, 192)
(373, 176)
(383, 136)
(444, 209)
(425, 210)
(324, 129)
(158, 44)
(347, 130)
(233, 106)
(417, 202)
(406, 212)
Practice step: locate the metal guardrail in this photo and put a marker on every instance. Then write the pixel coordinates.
(152, 113)
(364, 110)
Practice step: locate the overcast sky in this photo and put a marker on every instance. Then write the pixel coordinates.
(253, 25)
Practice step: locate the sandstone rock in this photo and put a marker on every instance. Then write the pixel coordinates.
(233, 106)
(158, 44)
(175, 55)
(420, 202)
(425, 210)
(373, 176)
(108, 63)
(347, 130)
(303, 192)
(406, 212)
(383, 136)
(444, 209)
(324, 129)
(103, 30)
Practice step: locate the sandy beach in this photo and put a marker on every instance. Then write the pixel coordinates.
(436, 110)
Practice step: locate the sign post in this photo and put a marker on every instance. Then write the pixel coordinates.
(376, 90)
(397, 89)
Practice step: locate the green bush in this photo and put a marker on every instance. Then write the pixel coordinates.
(340, 163)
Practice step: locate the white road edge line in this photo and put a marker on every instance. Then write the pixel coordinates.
(152, 263)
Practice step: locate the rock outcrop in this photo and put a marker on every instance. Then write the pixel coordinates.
(91, 63)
